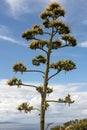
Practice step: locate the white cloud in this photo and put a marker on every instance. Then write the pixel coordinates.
(83, 44)
(5, 33)
(85, 22)
(10, 97)
(17, 7)
(84, 111)
(62, 1)
(21, 7)
(12, 40)
(4, 30)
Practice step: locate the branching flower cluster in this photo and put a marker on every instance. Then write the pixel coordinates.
(58, 36)
(19, 67)
(48, 90)
(25, 107)
(39, 59)
(30, 34)
(66, 65)
(14, 81)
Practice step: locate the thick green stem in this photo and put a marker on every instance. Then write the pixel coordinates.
(42, 114)
(43, 96)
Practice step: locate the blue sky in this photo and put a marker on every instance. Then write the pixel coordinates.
(17, 16)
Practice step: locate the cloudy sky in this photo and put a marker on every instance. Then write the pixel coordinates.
(17, 16)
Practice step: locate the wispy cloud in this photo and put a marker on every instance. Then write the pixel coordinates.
(85, 22)
(5, 33)
(10, 97)
(18, 8)
(4, 30)
(83, 44)
(12, 40)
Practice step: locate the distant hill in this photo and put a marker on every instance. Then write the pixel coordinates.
(9, 122)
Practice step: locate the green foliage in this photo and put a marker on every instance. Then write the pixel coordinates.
(76, 124)
(40, 89)
(39, 59)
(71, 41)
(50, 16)
(14, 81)
(54, 10)
(48, 90)
(19, 67)
(25, 107)
(66, 65)
(67, 99)
(38, 44)
(57, 128)
(73, 125)
(30, 34)
(45, 105)
(56, 44)
(37, 30)
(60, 26)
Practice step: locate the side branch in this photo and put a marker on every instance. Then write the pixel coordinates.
(61, 101)
(14, 81)
(35, 71)
(53, 101)
(25, 106)
(66, 45)
(29, 85)
(67, 100)
(34, 38)
(42, 49)
(53, 75)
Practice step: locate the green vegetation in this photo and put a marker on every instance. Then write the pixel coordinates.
(76, 125)
(58, 36)
(58, 128)
(73, 125)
